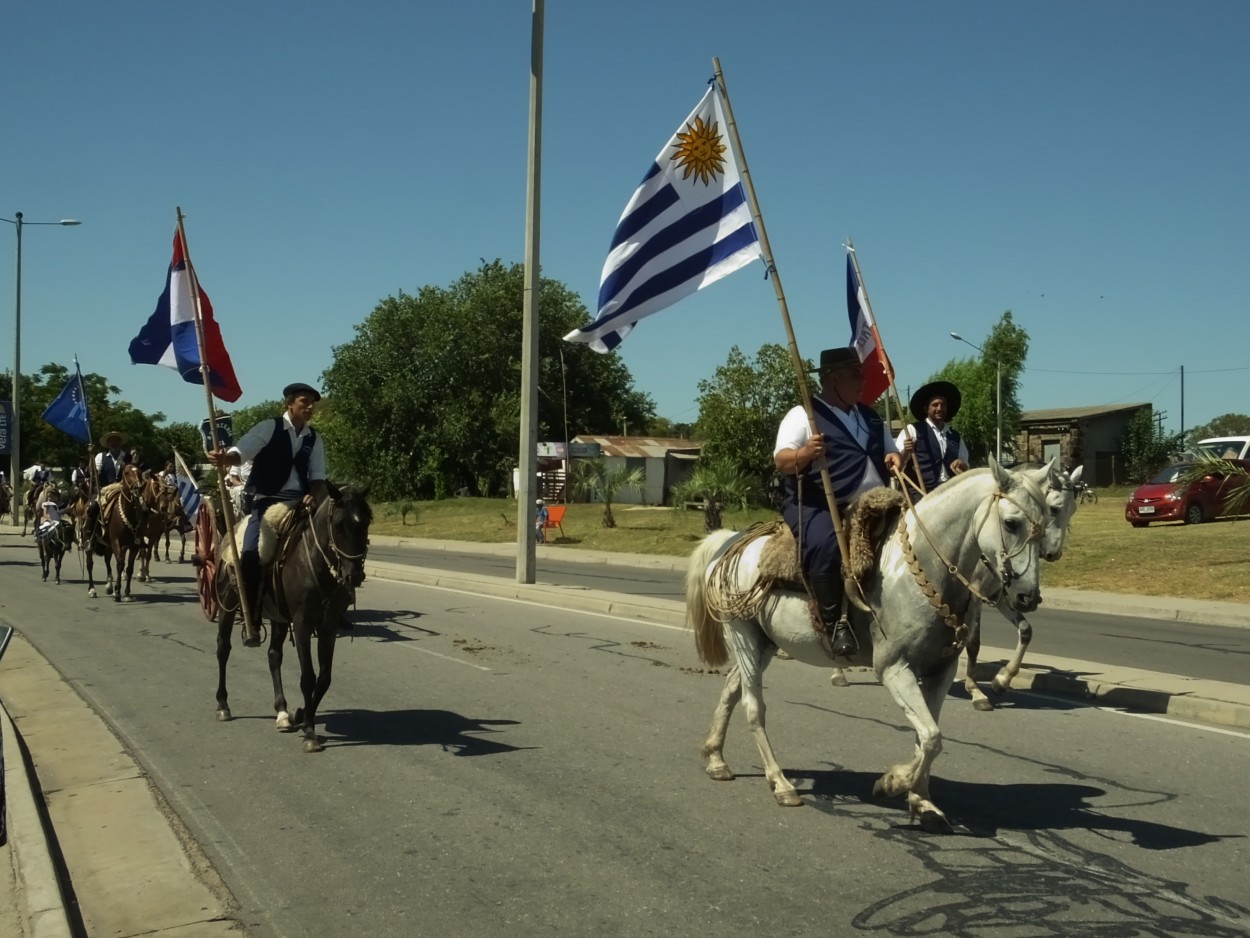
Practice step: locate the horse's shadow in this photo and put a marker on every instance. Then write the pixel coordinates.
(459, 735)
(388, 625)
(982, 809)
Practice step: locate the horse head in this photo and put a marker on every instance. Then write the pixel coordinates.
(1059, 488)
(1010, 534)
(347, 519)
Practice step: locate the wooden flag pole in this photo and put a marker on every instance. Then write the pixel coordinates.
(885, 359)
(92, 480)
(796, 360)
(227, 507)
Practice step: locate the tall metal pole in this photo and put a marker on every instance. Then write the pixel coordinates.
(998, 408)
(527, 460)
(15, 448)
(564, 390)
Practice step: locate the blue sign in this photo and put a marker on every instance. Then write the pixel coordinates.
(6, 424)
(225, 432)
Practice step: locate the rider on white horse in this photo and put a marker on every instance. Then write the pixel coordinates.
(940, 451)
(860, 452)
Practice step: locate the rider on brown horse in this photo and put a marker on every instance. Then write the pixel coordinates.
(288, 467)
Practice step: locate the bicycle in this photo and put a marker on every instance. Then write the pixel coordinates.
(1085, 493)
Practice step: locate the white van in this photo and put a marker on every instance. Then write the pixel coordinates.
(1230, 447)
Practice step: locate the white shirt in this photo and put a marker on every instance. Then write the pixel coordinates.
(795, 431)
(906, 434)
(259, 436)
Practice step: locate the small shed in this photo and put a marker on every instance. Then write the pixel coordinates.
(1079, 436)
(665, 460)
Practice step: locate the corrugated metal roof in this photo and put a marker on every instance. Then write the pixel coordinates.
(648, 447)
(1061, 414)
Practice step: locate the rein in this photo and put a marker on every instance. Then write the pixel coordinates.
(1005, 576)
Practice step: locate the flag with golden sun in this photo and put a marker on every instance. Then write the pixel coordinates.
(687, 226)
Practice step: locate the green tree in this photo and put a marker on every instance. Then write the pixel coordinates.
(719, 484)
(593, 479)
(181, 436)
(426, 397)
(1007, 345)
(1224, 425)
(243, 419)
(1145, 447)
(741, 406)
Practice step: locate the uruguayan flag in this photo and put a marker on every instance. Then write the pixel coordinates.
(688, 225)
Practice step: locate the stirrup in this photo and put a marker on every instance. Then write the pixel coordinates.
(843, 643)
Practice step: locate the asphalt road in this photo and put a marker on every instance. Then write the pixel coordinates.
(1218, 653)
(496, 767)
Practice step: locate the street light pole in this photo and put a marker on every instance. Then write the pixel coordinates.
(15, 447)
(998, 397)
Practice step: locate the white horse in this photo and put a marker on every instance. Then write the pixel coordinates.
(917, 600)
(1060, 507)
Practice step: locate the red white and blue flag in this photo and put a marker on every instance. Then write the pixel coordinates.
(169, 337)
(865, 339)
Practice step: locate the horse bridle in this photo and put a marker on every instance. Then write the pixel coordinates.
(344, 572)
(1006, 574)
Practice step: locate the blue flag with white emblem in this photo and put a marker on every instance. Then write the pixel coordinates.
(687, 226)
(69, 411)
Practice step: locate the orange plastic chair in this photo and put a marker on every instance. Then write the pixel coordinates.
(555, 515)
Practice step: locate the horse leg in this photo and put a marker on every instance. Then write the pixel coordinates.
(838, 678)
(43, 561)
(131, 554)
(225, 624)
(973, 618)
(308, 682)
(277, 636)
(58, 557)
(1024, 634)
(753, 651)
(921, 706)
(713, 749)
(182, 551)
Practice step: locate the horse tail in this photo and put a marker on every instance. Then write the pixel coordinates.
(709, 633)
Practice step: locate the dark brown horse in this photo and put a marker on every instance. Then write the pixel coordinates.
(119, 537)
(164, 516)
(307, 590)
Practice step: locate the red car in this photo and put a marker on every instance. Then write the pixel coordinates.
(1163, 498)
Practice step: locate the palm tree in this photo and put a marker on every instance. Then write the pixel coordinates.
(719, 484)
(593, 479)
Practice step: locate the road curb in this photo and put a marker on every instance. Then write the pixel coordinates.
(37, 881)
(1211, 702)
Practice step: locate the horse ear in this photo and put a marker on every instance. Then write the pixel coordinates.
(333, 490)
(1075, 477)
(364, 489)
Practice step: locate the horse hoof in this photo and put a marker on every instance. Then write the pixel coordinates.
(838, 679)
(313, 745)
(934, 821)
(224, 715)
(984, 704)
(721, 774)
(128, 599)
(283, 722)
(91, 593)
(788, 799)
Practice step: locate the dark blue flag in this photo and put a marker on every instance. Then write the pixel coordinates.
(69, 411)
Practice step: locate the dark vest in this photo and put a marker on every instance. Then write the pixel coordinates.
(929, 453)
(844, 455)
(110, 468)
(272, 465)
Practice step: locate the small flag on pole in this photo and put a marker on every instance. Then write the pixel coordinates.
(187, 491)
(687, 226)
(864, 337)
(68, 411)
(169, 337)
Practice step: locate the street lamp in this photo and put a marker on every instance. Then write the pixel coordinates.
(15, 459)
(998, 397)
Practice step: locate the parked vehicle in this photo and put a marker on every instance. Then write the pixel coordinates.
(1085, 494)
(1229, 447)
(1166, 498)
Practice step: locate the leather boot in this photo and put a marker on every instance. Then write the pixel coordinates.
(829, 590)
(251, 585)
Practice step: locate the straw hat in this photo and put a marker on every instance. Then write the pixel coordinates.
(107, 440)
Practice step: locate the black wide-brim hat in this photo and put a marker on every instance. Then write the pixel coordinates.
(832, 358)
(291, 390)
(921, 399)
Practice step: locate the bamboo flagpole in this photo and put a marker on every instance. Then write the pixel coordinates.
(886, 366)
(796, 360)
(251, 632)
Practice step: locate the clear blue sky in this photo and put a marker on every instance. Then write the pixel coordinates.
(1086, 165)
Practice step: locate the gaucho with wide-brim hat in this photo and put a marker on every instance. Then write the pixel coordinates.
(112, 438)
(924, 396)
(831, 359)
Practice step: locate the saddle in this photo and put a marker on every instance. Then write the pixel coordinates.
(277, 524)
(870, 521)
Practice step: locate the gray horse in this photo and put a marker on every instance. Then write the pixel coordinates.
(911, 631)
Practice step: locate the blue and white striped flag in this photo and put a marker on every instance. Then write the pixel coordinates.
(687, 226)
(188, 493)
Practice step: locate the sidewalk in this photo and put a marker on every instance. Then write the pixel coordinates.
(154, 879)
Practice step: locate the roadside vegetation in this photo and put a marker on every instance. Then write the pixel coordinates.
(1104, 553)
